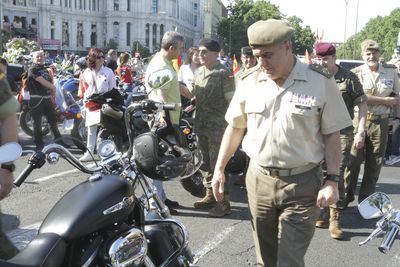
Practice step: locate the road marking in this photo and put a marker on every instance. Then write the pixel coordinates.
(213, 244)
(39, 180)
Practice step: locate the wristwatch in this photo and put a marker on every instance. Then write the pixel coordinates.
(332, 177)
(9, 167)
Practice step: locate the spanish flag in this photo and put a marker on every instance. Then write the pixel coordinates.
(235, 65)
(307, 58)
(177, 63)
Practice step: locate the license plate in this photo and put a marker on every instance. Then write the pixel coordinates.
(93, 117)
(68, 124)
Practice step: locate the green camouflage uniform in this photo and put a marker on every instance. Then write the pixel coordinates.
(8, 106)
(353, 94)
(213, 90)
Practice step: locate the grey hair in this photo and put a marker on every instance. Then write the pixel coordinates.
(171, 38)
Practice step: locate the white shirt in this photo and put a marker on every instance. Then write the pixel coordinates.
(104, 81)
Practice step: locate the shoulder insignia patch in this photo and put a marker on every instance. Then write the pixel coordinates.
(248, 72)
(1, 76)
(320, 70)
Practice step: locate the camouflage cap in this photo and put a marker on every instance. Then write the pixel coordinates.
(246, 50)
(271, 31)
(370, 45)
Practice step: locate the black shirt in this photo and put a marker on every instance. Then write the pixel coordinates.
(34, 87)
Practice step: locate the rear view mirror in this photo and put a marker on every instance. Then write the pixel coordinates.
(374, 206)
(10, 152)
(159, 79)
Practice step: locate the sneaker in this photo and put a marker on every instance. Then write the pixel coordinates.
(171, 204)
(86, 157)
(392, 160)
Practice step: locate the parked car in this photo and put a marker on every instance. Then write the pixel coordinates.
(349, 63)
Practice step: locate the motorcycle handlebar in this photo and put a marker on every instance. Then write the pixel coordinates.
(388, 239)
(36, 161)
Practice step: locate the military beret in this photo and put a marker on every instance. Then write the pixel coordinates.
(370, 45)
(246, 50)
(210, 44)
(272, 31)
(324, 49)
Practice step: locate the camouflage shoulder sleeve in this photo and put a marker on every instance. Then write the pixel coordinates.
(321, 70)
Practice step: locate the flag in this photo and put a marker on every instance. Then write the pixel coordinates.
(307, 58)
(235, 65)
(177, 63)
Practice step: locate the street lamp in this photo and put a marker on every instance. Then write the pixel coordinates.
(345, 25)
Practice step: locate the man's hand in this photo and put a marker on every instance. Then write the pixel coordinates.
(328, 195)
(6, 183)
(217, 184)
(359, 139)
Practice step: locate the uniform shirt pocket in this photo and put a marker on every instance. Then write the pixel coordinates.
(256, 113)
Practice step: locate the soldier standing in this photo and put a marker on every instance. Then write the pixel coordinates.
(248, 61)
(381, 85)
(8, 133)
(213, 87)
(293, 113)
(353, 95)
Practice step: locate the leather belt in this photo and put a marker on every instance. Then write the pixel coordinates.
(373, 117)
(277, 172)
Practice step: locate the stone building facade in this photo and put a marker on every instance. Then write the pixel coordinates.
(77, 25)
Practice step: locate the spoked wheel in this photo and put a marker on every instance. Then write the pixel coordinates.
(26, 123)
(79, 134)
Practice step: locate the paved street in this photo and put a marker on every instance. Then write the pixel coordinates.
(216, 242)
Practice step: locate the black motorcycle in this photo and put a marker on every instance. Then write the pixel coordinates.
(103, 221)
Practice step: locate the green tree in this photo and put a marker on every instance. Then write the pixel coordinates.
(384, 30)
(232, 30)
(112, 44)
(303, 38)
(144, 51)
(242, 13)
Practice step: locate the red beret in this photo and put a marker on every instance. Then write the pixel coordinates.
(324, 49)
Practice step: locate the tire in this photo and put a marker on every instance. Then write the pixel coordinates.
(194, 185)
(79, 135)
(26, 123)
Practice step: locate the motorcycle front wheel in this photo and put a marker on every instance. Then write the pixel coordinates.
(26, 123)
(79, 134)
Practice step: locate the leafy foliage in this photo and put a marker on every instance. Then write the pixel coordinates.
(18, 47)
(384, 30)
(144, 51)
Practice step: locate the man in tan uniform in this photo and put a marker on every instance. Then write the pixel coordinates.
(293, 113)
(381, 85)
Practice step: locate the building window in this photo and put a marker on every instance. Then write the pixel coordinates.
(147, 35)
(154, 6)
(52, 34)
(65, 33)
(195, 6)
(128, 4)
(80, 4)
(51, 2)
(154, 39)
(161, 32)
(93, 35)
(94, 5)
(116, 5)
(116, 31)
(195, 20)
(128, 34)
(79, 35)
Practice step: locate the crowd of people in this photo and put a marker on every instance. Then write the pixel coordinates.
(305, 128)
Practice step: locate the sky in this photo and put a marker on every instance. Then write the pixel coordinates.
(329, 16)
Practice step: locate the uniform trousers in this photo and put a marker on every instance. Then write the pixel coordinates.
(283, 213)
(373, 154)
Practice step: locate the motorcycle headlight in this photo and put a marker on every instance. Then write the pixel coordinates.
(129, 249)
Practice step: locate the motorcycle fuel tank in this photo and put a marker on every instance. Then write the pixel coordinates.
(80, 211)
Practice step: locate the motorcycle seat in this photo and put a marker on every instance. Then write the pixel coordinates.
(45, 250)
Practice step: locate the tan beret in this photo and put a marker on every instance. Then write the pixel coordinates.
(370, 45)
(272, 31)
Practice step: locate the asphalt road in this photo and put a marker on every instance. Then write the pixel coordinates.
(215, 241)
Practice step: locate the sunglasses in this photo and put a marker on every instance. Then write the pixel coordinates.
(99, 57)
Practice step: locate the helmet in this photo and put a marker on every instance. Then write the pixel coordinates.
(156, 159)
(238, 162)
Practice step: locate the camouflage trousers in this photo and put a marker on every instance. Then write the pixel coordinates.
(373, 154)
(209, 145)
(7, 249)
